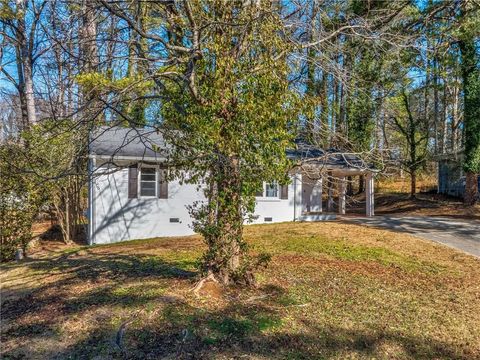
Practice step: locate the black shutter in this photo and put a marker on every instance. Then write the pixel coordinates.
(284, 192)
(162, 184)
(133, 181)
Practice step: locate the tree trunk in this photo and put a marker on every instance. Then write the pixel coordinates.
(330, 203)
(444, 119)
(89, 36)
(324, 106)
(361, 184)
(471, 188)
(67, 216)
(29, 94)
(26, 63)
(349, 186)
(225, 256)
(24, 68)
(21, 90)
(455, 121)
(435, 102)
(413, 184)
(471, 93)
(471, 101)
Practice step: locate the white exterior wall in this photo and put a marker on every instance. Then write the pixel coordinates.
(118, 218)
(114, 217)
(278, 209)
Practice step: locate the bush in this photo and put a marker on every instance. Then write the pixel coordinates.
(15, 226)
(18, 206)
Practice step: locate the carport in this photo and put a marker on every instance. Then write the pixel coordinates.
(323, 171)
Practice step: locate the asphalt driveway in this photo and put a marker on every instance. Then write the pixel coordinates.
(461, 234)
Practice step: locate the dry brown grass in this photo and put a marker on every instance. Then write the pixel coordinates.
(396, 184)
(331, 291)
(425, 204)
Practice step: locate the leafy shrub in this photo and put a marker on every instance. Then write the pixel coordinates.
(18, 206)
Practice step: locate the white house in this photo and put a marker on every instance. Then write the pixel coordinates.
(130, 199)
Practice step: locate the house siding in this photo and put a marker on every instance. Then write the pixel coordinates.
(449, 174)
(451, 178)
(114, 217)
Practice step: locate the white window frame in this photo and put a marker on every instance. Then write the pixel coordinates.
(275, 183)
(264, 196)
(140, 182)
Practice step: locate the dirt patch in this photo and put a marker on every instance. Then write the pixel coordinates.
(209, 288)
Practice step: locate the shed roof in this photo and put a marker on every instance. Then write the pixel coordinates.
(148, 143)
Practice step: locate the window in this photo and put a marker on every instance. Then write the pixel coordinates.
(148, 181)
(271, 189)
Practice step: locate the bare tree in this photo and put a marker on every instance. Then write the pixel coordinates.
(20, 33)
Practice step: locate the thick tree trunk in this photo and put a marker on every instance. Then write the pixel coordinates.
(471, 188)
(413, 184)
(29, 94)
(24, 69)
(89, 36)
(225, 256)
(471, 100)
(89, 54)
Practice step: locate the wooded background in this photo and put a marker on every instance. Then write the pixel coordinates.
(396, 82)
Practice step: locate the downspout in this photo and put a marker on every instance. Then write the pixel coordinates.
(91, 195)
(91, 206)
(295, 197)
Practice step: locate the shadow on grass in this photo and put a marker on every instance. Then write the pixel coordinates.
(244, 330)
(102, 273)
(173, 329)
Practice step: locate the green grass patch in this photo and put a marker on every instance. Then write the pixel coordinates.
(346, 249)
(331, 291)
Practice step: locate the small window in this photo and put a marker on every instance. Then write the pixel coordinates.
(271, 189)
(148, 181)
(268, 219)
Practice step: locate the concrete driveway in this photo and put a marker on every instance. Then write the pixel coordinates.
(460, 234)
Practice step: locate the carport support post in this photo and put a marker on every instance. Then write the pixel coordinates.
(316, 200)
(330, 191)
(369, 195)
(297, 202)
(341, 196)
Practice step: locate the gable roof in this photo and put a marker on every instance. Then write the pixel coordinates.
(149, 144)
(127, 142)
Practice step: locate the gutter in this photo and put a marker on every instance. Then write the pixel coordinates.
(123, 157)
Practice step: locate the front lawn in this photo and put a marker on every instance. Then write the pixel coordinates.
(332, 290)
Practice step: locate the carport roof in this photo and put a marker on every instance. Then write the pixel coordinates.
(329, 158)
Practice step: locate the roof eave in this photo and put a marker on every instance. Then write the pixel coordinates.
(127, 157)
